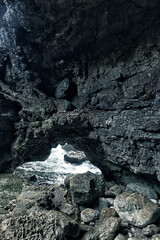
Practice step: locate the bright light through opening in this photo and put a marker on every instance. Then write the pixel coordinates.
(54, 169)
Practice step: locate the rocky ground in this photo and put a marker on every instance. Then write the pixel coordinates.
(86, 207)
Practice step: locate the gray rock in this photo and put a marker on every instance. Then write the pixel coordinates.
(61, 90)
(86, 188)
(113, 191)
(142, 188)
(107, 213)
(136, 209)
(38, 198)
(70, 210)
(103, 230)
(77, 157)
(102, 203)
(39, 226)
(120, 237)
(156, 237)
(88, 215)
(150, 230)
(111, 201)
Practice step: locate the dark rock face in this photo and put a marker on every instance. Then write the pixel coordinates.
(109, 52)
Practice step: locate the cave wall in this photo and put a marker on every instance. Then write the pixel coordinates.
(82, 72)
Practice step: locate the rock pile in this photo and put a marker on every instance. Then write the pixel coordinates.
(85, 208)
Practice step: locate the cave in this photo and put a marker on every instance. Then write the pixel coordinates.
(86, 73)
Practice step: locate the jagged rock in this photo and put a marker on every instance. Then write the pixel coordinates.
(39, 226)
(150, 230)
(103, 230)
(142, 188)
(113, 82)
(86, 188)
(38, 198)
(107, 213)
(136, 209)
(88, 215)
(70, 210)
(10, 187)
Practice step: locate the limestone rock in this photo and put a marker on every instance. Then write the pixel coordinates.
(88, 215)
(39, 226)
(85, 188)
(136, 208)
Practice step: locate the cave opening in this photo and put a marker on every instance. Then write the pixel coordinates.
(63, 161)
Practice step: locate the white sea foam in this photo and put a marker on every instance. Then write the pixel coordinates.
(54, 169)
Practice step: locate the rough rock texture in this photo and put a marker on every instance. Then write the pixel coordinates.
(109, 52)
(39, 226)
(136, 209)
(104, 230)
(85, 188)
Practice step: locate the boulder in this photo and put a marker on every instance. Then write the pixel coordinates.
(142, 188)
(86, 188)
(75, 157)
(150, 230)
(39, 226)
(38, 198)
(136, 209)
(88, 215)
(105, 230)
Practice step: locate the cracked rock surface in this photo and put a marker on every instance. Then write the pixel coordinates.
(85, 73)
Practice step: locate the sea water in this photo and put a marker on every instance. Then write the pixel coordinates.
(54, 169)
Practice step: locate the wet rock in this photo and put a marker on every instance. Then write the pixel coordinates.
(86, 188)
(150, 230)
(75, 157)
(88, 215)
(142, 188)
(39, 226)
(136, 209)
